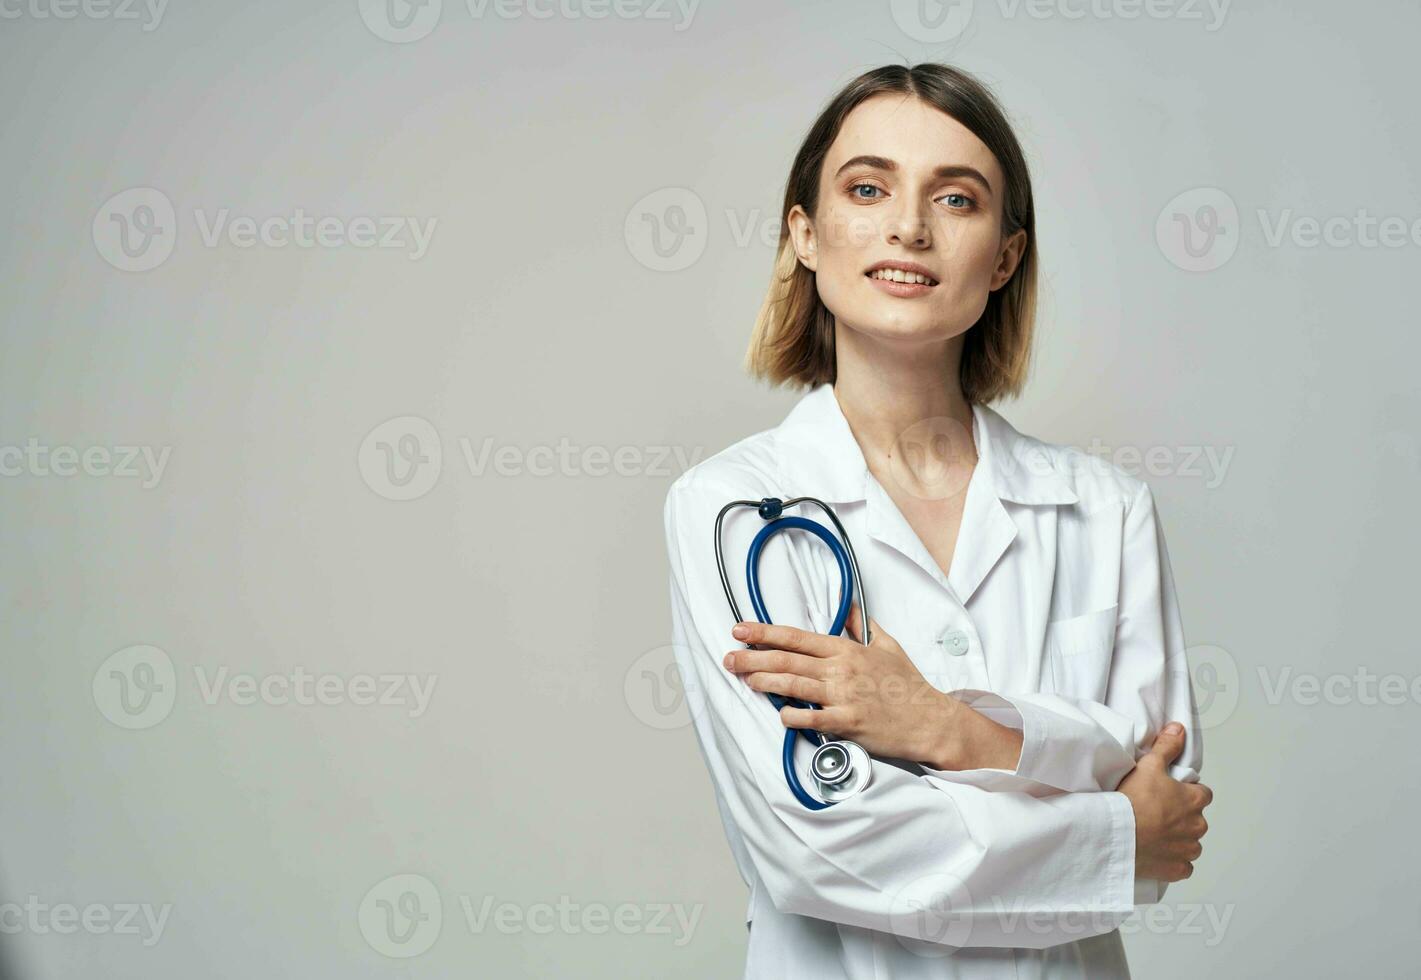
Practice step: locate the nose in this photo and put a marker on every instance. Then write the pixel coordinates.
(908, 225)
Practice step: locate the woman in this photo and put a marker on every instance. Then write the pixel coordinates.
(1026, 655)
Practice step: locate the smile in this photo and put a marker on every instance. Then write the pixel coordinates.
(905, 281)
(892, 274)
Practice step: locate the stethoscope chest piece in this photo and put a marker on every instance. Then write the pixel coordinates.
(841, 769)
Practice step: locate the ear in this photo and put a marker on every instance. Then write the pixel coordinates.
(803, 238)
(1009, 258)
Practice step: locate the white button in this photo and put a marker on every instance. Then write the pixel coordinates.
(956, 642)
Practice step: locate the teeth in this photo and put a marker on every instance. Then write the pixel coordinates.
(898, 275)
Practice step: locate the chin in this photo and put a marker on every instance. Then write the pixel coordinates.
(900, 325)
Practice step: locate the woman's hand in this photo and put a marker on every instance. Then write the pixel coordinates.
(1169, 815)
(873, 695)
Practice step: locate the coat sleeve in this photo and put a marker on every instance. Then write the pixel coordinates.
(1079, 745)
(924, 858)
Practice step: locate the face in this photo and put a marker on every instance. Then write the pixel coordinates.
(906, 185)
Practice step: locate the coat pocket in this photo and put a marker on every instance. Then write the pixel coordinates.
(1079, 649)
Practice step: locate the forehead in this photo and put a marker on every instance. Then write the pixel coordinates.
(914, 134)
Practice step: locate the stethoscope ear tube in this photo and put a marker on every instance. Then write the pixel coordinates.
(840, 768)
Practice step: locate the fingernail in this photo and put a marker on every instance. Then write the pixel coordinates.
(729, 661)
(740, 631)
(1174, 728)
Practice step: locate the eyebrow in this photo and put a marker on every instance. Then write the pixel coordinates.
(947, 170)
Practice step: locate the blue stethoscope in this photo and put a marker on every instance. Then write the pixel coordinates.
(840, 768)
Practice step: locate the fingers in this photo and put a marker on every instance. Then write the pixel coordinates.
(785, 638)
(774, 661)
(1168, 743)
(789, 685)
(854, 624)
(830, 721)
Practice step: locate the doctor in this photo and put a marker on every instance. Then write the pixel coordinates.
(1026, 694)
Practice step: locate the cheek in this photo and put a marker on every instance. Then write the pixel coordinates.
(839, 272)
(970, 253)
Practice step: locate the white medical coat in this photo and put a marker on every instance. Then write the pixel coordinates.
(1058, 618)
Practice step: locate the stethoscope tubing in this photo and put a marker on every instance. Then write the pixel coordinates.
(771, 510)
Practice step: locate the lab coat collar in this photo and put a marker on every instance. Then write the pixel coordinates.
(819, 456)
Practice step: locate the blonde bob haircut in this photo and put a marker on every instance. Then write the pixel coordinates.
(793, 340)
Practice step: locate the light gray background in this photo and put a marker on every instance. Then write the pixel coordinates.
(545, 770)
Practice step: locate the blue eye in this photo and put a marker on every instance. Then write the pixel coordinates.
(958, 201)
(860, 196)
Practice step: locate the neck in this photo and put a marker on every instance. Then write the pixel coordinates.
(885, 389)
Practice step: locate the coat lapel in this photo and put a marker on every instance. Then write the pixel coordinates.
(819, 457)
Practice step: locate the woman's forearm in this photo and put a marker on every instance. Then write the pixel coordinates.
(963, 738)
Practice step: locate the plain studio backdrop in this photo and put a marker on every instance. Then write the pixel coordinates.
(349, 350)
